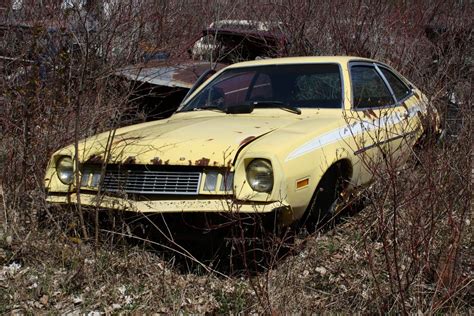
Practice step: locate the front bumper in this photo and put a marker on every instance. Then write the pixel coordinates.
(169, 205)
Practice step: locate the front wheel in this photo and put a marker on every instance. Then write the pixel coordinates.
(327, 199)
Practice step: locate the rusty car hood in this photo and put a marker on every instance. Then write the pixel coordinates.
(191, 138)
(183, 73)
(166, 73)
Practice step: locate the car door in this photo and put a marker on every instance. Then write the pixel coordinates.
(405, 123)
(372, 105)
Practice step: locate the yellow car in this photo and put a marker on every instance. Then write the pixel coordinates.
(287, 137)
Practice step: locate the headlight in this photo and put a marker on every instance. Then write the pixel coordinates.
(65, 170)
(260, 175)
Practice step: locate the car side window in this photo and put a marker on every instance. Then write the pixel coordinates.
(399, 88)
(368, 88)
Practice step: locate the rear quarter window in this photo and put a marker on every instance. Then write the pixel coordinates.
(400, 89)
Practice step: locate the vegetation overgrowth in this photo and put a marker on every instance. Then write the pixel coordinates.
(408, 251)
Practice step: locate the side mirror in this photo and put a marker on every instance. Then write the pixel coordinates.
(203, 77)
(241, 108)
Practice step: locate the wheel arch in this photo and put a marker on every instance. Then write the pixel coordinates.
(343, 168)
(340, 169)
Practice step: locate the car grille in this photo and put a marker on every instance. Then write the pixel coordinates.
(152, 182)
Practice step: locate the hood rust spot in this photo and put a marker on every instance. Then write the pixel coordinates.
(246, 140)
(202, 162)
(126, 139)
(157, 161)
(129, 161)
(95, 159)
(372, 113)
(369, 113)
(210, 139)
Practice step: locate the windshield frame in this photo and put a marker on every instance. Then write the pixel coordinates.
(218, 76)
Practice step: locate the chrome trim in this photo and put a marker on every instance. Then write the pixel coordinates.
(364, 149)
(152, 182)
(386, 83)
(398, 102)
(343, 91)
(342, 107)
(366, 63)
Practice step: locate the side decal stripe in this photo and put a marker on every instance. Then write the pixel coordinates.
(350, 130)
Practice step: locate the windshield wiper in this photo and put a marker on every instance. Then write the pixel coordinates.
(249, 106)
(234, 109)
(211, 107)
(279, 104)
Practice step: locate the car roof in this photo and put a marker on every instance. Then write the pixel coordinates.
(301, 60)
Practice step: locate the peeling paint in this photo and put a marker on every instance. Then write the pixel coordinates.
(126, 139)
(202, 162)
(162, 73)
(130, 160)
(95, 159)
(372, 113)
(369, 113)
(157, 161)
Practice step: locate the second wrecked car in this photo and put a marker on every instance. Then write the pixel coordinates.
(161, 82)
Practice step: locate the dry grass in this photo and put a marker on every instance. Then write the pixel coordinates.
(327, 272)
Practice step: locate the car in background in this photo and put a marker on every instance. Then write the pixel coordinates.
(161, 82)
(237, 40)
(284, 138)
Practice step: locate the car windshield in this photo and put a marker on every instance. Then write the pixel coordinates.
(289, 86)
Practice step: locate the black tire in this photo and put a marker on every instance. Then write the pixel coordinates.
(327, 197)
